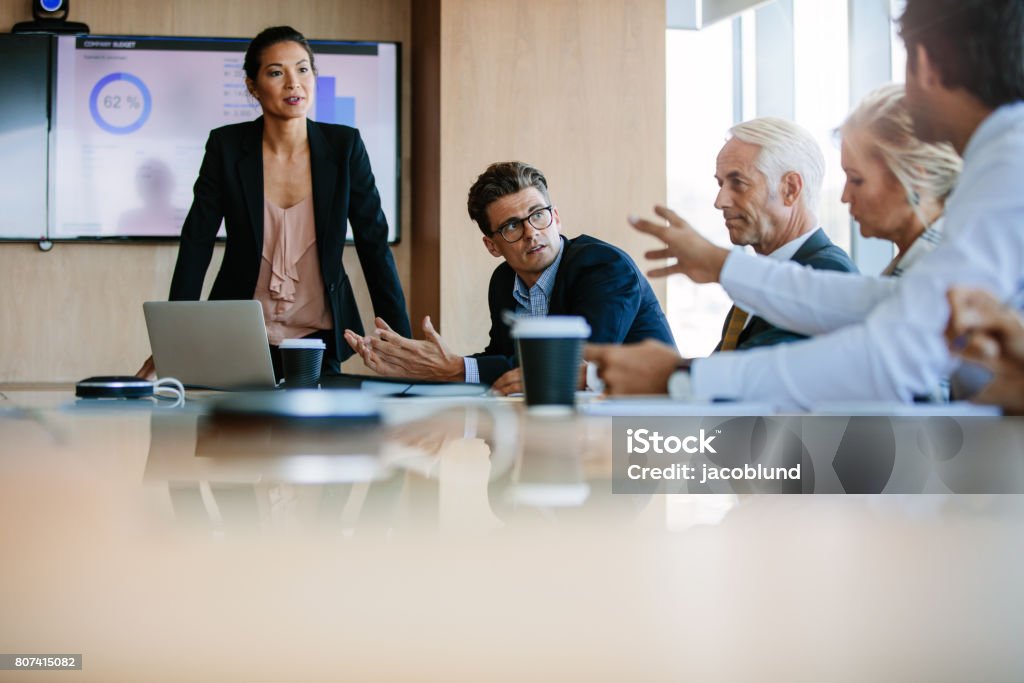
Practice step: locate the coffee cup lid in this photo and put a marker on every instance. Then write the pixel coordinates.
(552, 326)
(303, 344)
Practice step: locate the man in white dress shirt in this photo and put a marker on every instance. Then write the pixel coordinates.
(880, 338)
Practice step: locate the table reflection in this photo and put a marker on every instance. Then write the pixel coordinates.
(465, 469)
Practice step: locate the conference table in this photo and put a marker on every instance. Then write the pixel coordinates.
(465, 540)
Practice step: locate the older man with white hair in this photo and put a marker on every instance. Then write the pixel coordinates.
(769, 176)
(885, 338)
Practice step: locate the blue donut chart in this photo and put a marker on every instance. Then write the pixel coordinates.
(94, 96)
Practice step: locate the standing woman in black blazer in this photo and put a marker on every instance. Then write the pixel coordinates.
(272, 169)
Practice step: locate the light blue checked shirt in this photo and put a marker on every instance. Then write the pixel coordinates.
(531, 302)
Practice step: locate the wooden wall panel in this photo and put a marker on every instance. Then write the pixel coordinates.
(76, 311)
(426, 163)
(575, 87)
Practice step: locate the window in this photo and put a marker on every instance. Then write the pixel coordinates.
(699, 98)
(788, 58)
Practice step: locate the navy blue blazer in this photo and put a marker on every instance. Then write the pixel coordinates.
(230, 186)
(595, 280)
(819, 253)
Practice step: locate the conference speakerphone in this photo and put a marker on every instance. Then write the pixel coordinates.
(114, 387)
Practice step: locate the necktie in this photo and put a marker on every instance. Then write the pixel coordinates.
(733, 328)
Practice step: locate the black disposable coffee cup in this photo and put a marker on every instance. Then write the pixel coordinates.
(302, 360)
(550, 351)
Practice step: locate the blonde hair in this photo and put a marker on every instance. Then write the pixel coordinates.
(922, 168)
(785, 148)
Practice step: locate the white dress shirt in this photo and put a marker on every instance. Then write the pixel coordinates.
(783, 253)
(813, 302)
(885, 336)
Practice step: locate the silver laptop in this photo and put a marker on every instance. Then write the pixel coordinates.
(210, 344)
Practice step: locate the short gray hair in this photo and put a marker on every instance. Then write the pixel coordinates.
(785, 148)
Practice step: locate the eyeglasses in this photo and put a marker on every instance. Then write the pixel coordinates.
(539, 219)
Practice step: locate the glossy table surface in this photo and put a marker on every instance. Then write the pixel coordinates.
(466, 541)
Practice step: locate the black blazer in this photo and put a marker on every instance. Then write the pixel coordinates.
(595, 280)
(230, 186)
(819, 253)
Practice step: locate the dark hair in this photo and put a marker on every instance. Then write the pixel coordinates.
(500, 179)
(273, 36)
(977, 45)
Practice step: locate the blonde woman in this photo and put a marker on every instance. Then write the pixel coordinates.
(896, 185)
(896, 188)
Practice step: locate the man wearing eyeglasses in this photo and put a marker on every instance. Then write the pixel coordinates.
(543, 273)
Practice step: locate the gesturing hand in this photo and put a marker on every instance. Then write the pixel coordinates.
(509, 383)
(642, 368)
(695, 256)
(984, 331)
(512, 381)
(388, 353)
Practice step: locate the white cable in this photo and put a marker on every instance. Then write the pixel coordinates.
(169, 388)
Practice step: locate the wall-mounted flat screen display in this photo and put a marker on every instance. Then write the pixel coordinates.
(24, 125)
(131, 116)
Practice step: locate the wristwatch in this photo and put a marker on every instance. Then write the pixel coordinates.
(679, 385)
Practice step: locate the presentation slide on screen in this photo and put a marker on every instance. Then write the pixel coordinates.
(132, 116)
